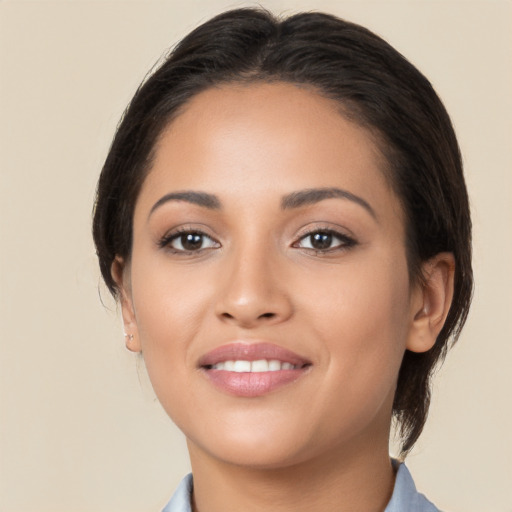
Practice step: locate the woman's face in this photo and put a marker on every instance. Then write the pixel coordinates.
(268, 285)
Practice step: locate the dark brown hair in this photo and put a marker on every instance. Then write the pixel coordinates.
(375, 86)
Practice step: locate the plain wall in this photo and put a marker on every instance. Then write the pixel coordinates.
(80, 428)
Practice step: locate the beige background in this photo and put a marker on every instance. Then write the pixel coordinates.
(80, 429)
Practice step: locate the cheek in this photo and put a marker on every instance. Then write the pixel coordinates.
(361, 317)
(362, 314)
(169, 302)
(170, 308)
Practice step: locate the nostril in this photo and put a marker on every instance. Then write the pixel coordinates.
(267, 315)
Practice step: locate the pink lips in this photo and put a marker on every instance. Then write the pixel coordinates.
(246, 383)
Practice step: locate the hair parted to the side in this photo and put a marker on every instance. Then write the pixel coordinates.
(375, 87)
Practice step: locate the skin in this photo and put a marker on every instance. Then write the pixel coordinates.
(320, 442)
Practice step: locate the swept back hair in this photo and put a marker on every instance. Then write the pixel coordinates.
(375, 87)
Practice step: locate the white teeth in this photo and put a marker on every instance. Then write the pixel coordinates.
(261, 365)
(274, 365)
(242, 366)
(229, 366)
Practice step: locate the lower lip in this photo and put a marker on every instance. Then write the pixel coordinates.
(252, 384)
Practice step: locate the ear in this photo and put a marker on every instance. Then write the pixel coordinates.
(120, 271)
(431, 302)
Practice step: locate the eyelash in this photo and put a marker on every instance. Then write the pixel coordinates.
(166, 241)
(345, 242)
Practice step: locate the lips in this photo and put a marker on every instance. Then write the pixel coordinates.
(254, 369)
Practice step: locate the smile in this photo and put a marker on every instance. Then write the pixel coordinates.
(258, 366)
(251, 370)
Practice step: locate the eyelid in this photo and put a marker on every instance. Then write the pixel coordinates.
(335, 229)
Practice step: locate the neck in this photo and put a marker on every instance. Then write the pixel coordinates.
(340, 481)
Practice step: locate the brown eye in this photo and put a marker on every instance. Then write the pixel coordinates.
(324, 241)
(321, 240)
(189, 241)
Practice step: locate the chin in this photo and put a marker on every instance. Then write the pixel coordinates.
(268, 446)
(272, 455)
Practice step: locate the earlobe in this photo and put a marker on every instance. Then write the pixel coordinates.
(120, 271)
(432, 303)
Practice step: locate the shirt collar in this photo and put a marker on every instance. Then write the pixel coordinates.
(405, 497)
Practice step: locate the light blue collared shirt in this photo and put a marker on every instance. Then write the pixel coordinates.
(405, 497)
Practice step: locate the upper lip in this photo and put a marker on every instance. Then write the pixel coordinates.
(251, 352)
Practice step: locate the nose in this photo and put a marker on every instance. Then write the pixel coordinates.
(253, 292)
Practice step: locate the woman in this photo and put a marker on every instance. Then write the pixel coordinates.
(283, 218)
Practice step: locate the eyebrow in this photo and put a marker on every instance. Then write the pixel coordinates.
(294, 200)
(315, 195)
(199, 198)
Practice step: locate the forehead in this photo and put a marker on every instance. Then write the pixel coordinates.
(241, 140)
